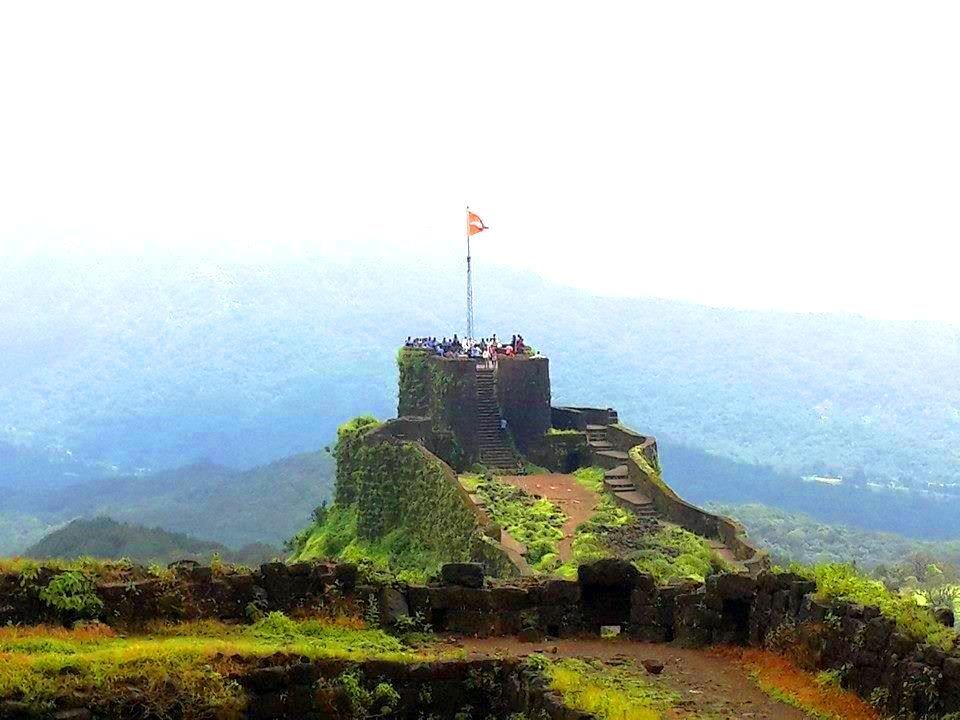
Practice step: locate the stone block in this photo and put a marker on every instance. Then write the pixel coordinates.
(463, 574)
(609, 572)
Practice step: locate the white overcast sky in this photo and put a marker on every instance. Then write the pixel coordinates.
(803, 155)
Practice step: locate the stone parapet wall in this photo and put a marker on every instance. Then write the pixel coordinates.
(577, 418)
(782, 611)
(646, 477)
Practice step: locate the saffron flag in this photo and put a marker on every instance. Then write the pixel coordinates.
(474, 224)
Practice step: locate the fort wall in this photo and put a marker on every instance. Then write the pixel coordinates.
(877, 657)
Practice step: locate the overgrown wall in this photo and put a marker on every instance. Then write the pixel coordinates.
(444, 390)
(874, 655)
(402, 484)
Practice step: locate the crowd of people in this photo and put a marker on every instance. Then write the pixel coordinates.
(486, 349)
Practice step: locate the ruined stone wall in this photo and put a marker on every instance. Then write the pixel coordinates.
(781, 611)
(577, 418)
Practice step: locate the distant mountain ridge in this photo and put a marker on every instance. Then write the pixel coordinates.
(267, 504)
(105, 538)
(124, 369)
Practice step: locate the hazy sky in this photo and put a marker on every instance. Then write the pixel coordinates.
(763, 154)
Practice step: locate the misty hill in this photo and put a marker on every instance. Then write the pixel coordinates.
(797, 537)
(123, 369)
(266, 504)
(105, 538)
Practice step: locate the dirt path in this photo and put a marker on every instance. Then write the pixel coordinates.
(571, 497)
(710, 686)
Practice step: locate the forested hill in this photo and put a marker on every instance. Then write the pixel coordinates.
(266, 504)
(110, 369)
(104, 538)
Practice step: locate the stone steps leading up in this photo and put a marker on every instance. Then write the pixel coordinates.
(637, 502)
(495, 450)
(618, 485)
(610, 459)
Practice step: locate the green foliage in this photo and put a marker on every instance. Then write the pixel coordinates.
(73, 593)
(382, 700)
(842, 582)
(797, 537)
(556, 431)
(537, 523)
(608, 692)
(591, 478)
(673, 554)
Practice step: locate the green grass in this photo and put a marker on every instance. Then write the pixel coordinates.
(619, 692)
(172, 669)
(535, 523)
(470, 481)
(396, 554)
(530, 468)
(673, 554)
(836, 581)
(556, 431)
(591, 478)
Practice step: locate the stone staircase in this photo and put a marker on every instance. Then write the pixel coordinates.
(496, 451)
(616, 477)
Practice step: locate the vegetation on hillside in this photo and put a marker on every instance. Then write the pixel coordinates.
(797, 537)
(924, 572)
(108, 539)
(263, 505)
(535, 522)
(843, 582)
(397, 508)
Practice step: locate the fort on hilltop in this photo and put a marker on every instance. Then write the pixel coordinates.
(458, 413)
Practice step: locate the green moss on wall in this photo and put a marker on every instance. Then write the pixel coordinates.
(349, 438)
(425, 388)
(414, 369)
(396, 505)
(652, 471)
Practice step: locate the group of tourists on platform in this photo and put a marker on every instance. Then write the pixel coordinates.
(487, 349)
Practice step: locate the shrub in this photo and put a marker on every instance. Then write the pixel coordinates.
(837, 581)
(73, 592)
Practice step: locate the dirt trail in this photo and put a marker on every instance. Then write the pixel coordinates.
(710, 686)
(571, 497)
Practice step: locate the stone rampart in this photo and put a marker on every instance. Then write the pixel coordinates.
(646, 477)
(876, 657)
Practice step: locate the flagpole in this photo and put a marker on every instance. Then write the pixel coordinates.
(469, 282)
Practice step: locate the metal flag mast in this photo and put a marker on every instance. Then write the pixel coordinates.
(469, 282)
